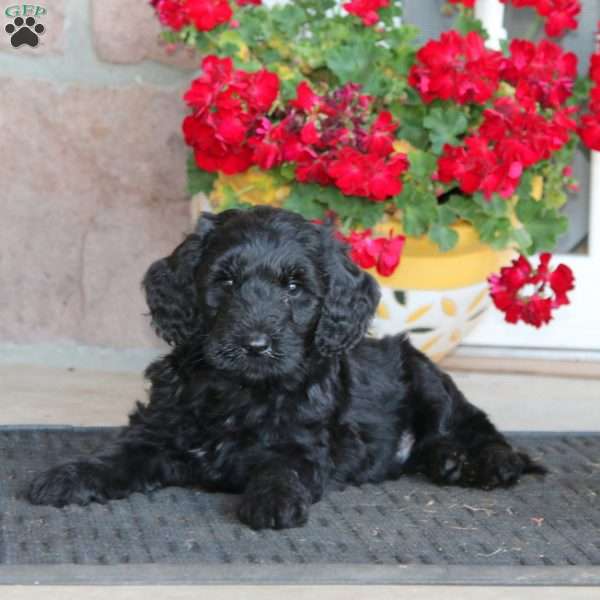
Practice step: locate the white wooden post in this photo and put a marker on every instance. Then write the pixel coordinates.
(491, 14)
(594, 237)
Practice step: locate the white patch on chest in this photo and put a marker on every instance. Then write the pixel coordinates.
(405, 445)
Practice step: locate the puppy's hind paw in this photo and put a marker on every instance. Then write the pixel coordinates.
(502, 466)
(71, 483)
(491, 466)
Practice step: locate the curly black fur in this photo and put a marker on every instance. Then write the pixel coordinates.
(271, 389)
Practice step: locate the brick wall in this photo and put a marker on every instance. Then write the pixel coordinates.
(92, 172)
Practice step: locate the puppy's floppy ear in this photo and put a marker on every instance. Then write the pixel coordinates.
(169, 285)
(350, 301)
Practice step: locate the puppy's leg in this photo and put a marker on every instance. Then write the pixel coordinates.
(455, 441)
(131, 466)
(279, 492)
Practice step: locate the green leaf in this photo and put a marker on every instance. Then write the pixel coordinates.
(375, 83)
(495, 206)
(467, 22)
(289, 19)
(411, 123)
(352, 62)
(495, 232)
(463, 206)
(543, 224)
(422, 164)
(523, 239)
(524, 189)
(445, 125)
(231, 200)
(303, 199)
(528, 209)
(443, 236)
(353, 210)
(445, 215)
(489, 217)
(197, 179)
(414, 221)
(288, 171)
(419, 209)
(313, 201)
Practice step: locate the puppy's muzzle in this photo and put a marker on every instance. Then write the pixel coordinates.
(258, 343)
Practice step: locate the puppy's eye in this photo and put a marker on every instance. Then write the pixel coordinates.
(227, 283)
(293, 288)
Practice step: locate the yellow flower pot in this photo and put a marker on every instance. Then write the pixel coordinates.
(437, 297)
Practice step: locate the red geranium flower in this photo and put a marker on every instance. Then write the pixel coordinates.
(228, 126)
(331, 143)
(350, 170)
(203, 14)
(389, 257)
(381, 136)
(305, 99)
(561, 282)
(171, 13)
(589, 131)
(259, 89)
(560, 15)
(529, 295)
(363, 250)
(510, 139)
(383, 253)
(595, 67)
(366, 10)
(467, 3)
(456, 68)
(314, 170)
(368, 175)
(476, 166)
(208, 14)
(542, 73)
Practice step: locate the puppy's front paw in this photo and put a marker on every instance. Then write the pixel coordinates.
(275, 504)
(71, 483)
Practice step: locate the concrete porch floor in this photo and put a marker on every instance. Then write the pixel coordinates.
(34, 394)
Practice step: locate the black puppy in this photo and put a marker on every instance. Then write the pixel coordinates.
(272, 389)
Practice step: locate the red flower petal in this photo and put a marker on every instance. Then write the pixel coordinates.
(523, 295)
(208, 14)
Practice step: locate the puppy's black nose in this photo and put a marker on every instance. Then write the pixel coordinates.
(258, 343)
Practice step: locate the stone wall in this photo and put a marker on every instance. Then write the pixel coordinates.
(92, 172)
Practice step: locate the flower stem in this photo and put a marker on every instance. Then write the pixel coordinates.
(534, 29)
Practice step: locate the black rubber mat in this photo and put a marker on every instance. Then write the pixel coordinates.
(542, 531)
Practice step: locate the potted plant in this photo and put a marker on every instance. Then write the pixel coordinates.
(438, 164)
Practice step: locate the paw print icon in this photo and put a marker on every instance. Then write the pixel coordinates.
(24, 31)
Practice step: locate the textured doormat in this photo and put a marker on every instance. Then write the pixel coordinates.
(408, 531)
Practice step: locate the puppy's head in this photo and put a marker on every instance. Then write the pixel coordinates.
(260, 291)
